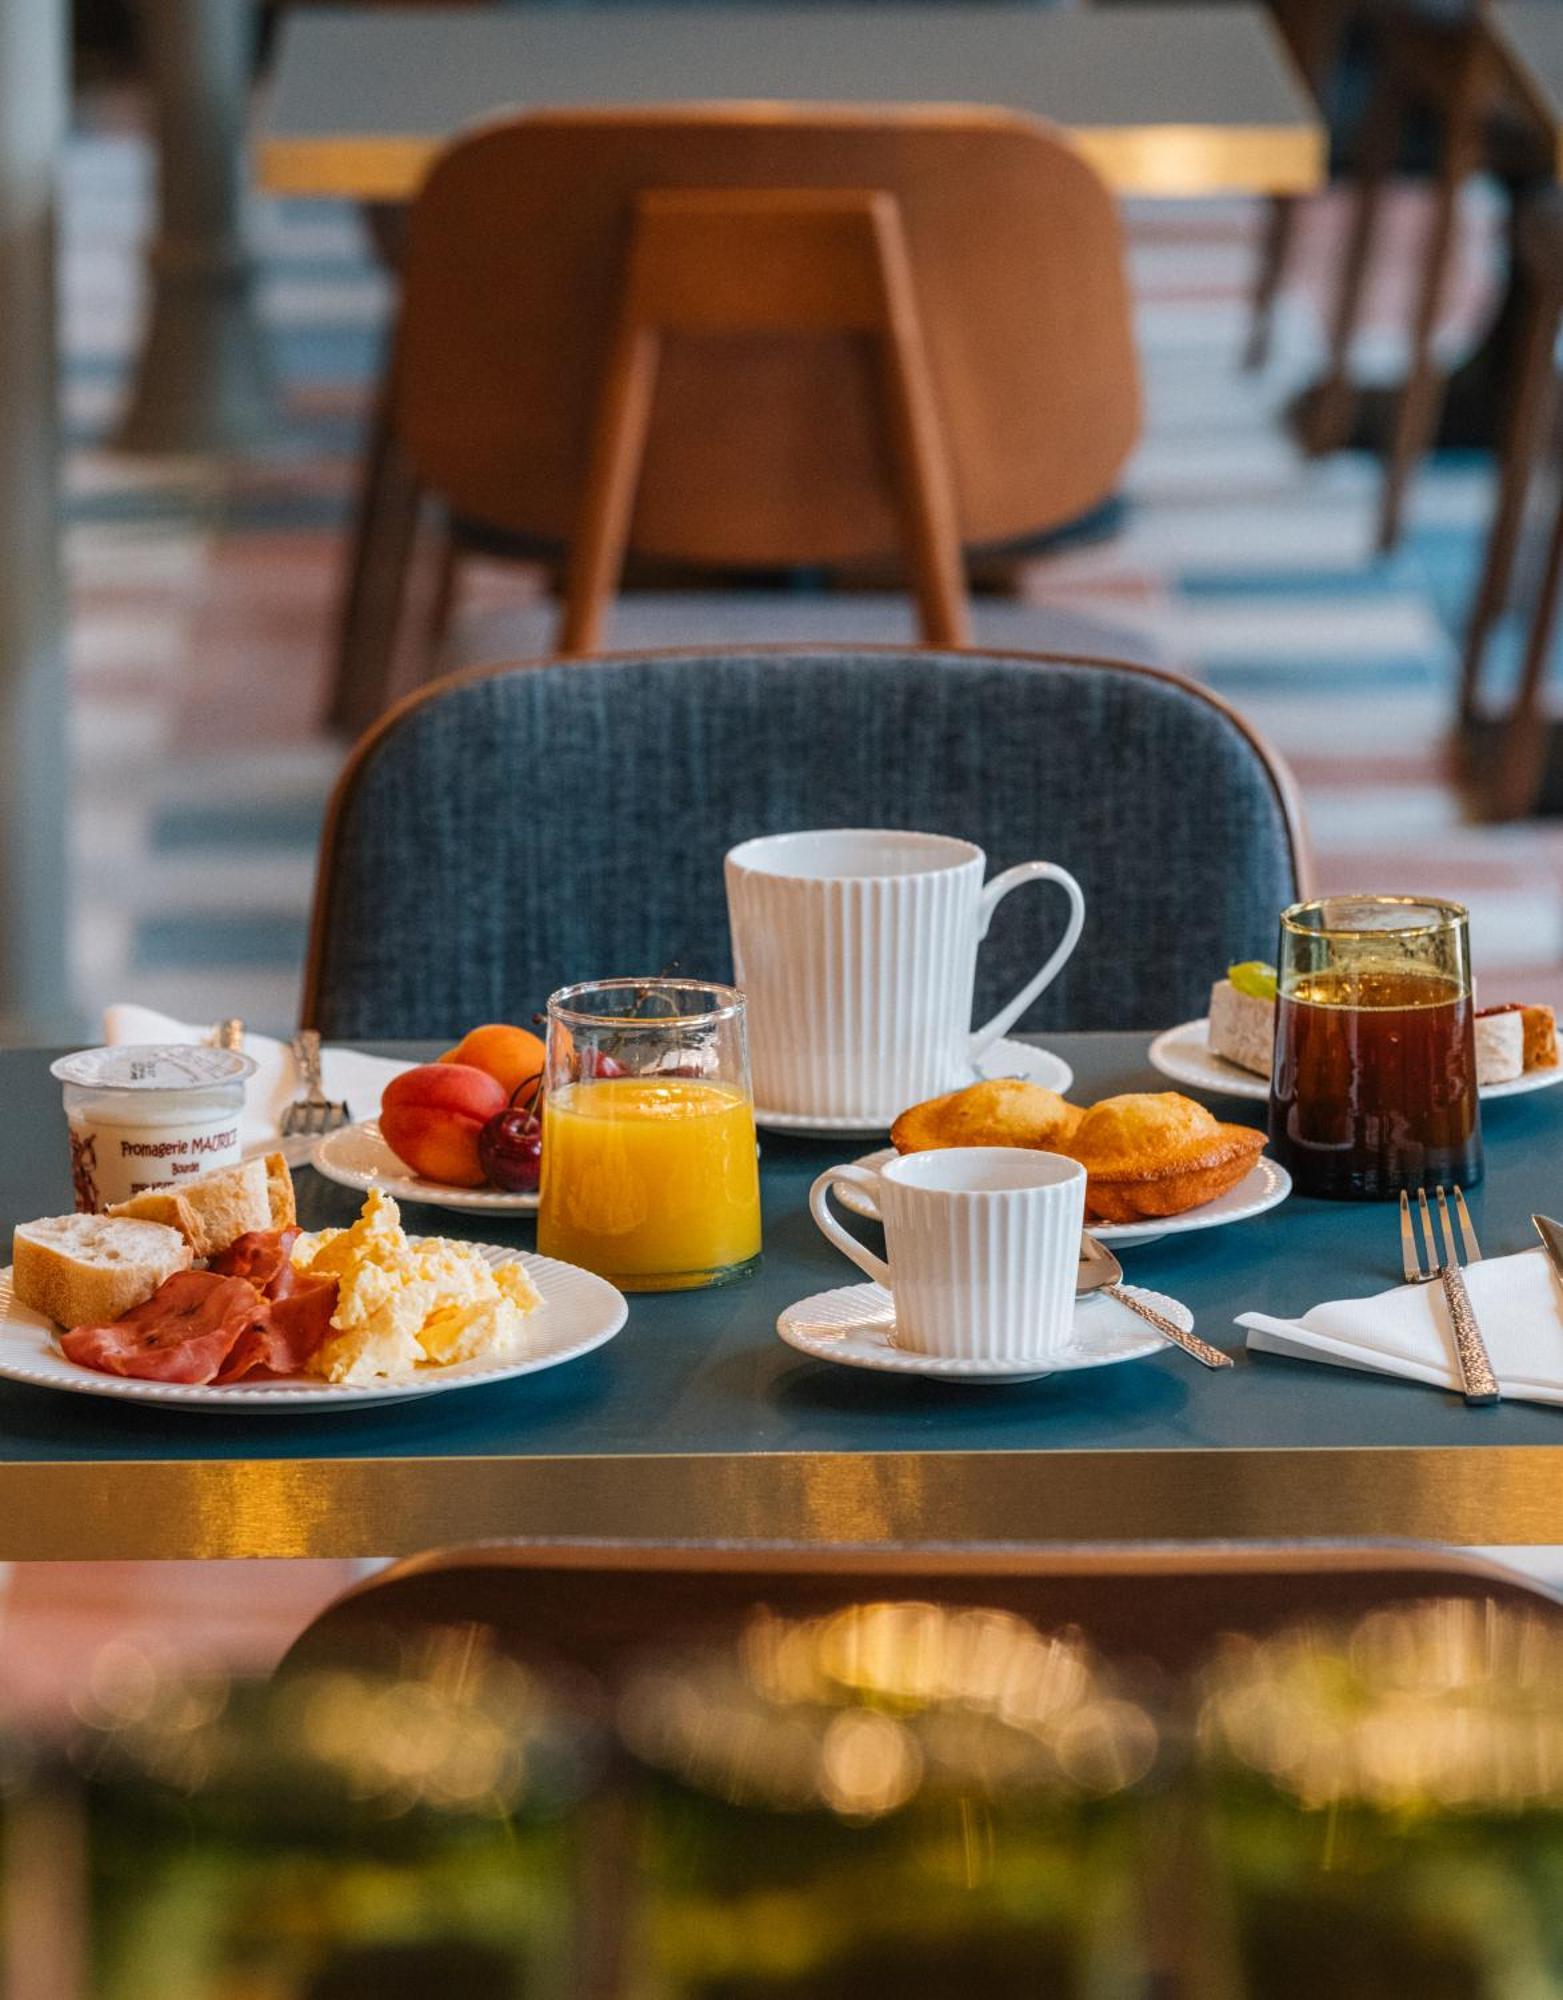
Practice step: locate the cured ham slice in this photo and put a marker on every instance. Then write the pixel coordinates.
(262, 1256)
(184, 1333)
(250, 1313)
(295, 1326)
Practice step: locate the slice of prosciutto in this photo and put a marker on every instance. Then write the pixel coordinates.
(264, 1257)
(295, 1326)
(185, 1332)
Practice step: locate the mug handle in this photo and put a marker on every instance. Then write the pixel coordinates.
(992, 896)
(864, 1258)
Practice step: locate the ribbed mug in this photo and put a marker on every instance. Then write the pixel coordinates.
(857, 951)
(984, 1248)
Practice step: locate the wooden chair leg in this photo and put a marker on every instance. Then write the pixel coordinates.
(1529, 417)
(1421, 400)
(380, 548)
(1519, 760)
(1275, 244)
(1335, 400)
(442, 602)
(926, 488)
(618, 448)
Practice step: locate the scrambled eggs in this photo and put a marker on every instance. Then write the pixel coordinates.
(401, 1305)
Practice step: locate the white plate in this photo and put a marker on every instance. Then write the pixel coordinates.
(1183, 1053)
(579, 1312)
(1265, 1185)
(357, 1157)
(1105, 1333)
(1005, 1058)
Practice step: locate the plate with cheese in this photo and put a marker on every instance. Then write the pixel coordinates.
(1227, 1052)
(222, 1302)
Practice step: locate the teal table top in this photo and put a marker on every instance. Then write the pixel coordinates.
(697, 1420)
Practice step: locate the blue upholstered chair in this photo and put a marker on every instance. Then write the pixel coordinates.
(506, 831)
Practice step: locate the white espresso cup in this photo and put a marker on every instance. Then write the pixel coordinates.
(984, 1246)
(857, 951)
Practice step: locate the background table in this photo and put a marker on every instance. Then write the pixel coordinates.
(1177, 101)
(697, 1421)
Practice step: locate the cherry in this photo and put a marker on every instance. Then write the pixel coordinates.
(510, 1150)
(603, 1065)
(510, 1145)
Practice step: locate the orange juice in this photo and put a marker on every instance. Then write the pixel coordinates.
(650, 1181)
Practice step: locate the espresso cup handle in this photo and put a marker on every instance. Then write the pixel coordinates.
(863, 1177)
(992, 896)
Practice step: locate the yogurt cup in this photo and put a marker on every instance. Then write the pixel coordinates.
(149, 1116)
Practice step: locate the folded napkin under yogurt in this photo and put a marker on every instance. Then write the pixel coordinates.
(346, 1074)
(1407, 1331)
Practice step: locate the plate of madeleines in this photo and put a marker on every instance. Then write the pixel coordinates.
(1156, 1162)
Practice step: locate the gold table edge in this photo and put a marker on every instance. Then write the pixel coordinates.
(290, 1507)
(1205, 160)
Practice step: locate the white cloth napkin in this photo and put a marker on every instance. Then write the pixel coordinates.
(346, 1074)
(1517, 1300)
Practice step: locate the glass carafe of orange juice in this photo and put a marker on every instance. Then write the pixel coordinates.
(650, 1171)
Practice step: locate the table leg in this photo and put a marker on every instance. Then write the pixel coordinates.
(34, 765)
(202, 383)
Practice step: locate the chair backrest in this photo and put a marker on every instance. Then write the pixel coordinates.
(765, 448)
(598, 1605)
(505, 831)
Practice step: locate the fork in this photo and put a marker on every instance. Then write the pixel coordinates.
(311, 1113)
(1477, 1381)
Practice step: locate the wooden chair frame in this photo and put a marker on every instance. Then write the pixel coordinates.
(767, 260)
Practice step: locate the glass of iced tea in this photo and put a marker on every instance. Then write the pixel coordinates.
(650, 1172)
(1374, 1084)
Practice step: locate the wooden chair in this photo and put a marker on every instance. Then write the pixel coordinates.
(594, 1605)
(504, 827)
(1432, 58)
(1507, 753)
(740, 338)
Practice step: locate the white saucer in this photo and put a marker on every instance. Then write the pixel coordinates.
(1264, 1186)
(579, 1312)
(1005, 1058)
(357, 1157)
(1183, 1053)
(1105, 1333)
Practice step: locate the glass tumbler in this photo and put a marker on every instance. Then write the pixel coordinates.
(650, 1169)
(1374, 1084)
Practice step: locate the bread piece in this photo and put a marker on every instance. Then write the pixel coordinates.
(212, 1211)
(1242, 1028)
(1003, 1111)
(1541, 1037)
(279, 1191)
(84, 1270)
(1155, 1153)
(1500, 1045)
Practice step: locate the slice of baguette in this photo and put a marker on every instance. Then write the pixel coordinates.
(211, 1212)
(84, 1270)
(279, 1189)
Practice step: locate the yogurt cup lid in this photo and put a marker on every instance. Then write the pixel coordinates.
(154, 1066)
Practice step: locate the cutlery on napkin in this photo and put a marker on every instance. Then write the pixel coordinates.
(1406, 1331)
(347, 1074)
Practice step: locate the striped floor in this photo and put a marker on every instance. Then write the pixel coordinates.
(202, 594)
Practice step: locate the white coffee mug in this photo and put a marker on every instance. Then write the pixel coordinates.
(857, 950)
(984, 1246)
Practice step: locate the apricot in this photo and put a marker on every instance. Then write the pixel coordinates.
(510, 1055)
(430, 1117)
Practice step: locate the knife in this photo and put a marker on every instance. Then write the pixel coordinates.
(1551, 1234)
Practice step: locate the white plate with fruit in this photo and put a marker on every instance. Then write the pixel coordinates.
(462, 1133)
(357, 1156)
(1227, 1052)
